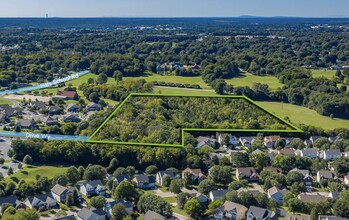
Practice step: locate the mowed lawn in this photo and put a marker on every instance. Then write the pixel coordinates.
(247, 79)
(173, 79)
(28, 173)
(299, 114)
(182, 91)
(323, 73)
(5, 101)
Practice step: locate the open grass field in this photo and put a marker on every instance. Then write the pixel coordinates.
(28, 173)
(299, 114)
(247, 79)
(4, 101)
(323, 73)
(173, 79)
(174, 90)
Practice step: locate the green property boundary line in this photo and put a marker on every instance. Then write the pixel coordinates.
(183, 130)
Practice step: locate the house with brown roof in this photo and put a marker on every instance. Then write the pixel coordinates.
(70, 95)
(60, 193)
(311, 197)
(273, 169)
(290, 152)
(248, 173)
(230, 210)
(269, 141)
(196, 174)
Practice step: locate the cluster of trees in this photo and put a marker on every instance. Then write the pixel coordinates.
(159, 119)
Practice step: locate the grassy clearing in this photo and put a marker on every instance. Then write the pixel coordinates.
(28, 173)
(170, 199)
(299, 114)
(173, 90)
(247, 79)
(173, 79)
(323, 73)
(4, 101)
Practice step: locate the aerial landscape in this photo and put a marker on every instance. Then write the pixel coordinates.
(184, 110)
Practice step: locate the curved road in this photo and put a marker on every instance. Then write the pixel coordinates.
(45, 85)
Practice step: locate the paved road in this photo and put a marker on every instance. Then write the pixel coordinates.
(43, 136)
(45, 85)
(5, 145)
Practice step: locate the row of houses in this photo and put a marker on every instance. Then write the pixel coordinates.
(174, 66)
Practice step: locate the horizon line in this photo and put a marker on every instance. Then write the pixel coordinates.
(239, 16)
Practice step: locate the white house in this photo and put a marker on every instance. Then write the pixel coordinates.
(41, 202)
(60, 193)
(161, 175)
(92, 188)
(330, 154)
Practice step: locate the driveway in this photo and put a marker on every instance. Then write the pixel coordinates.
(12, 164)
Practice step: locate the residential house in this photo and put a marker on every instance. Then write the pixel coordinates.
(311, 197)
(53, 110)
(72, 108)
(328, 175)
(161, 175)
(144, 182)
(194, 193)
(109, 206)
(288, 141)
(333, 195)
(150, 215)
(9, 111)
(65, 217)
(333, 139)
(196, 174)
(247, 141)
(330, 154)
(91, 214)
(60, 193)
(26, 123)
(297, 217)
(92, 188)
(314, 138)
(38, 105)
(232, 139)
(218, 194)
(277, 194)
(205, 141)
(287, 152)
(196, 67)
(307, 152)
(9, 200)
(269, 141)
(248, 173)
(328, 217)
(70, 95)
(121, 178)
(3, 117)
(71, 118)
(93, 107)
(230, 211)
(307, 178)
(256, 213)
(346, 179)
(41, 202)
(249, 190)
(50, 121)
(335, 67)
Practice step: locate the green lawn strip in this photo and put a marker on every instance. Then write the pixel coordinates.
(173, 79)
(323, 73)
(303, 115)
(5, 101)
(170, 199)
(247, 79)
(183, 91)
(177, 210)
(29, 172)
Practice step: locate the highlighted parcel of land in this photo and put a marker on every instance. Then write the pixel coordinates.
(162, 119)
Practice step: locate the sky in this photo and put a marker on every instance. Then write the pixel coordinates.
(173, 8)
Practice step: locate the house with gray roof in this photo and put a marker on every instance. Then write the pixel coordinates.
(307, 178)
(277, 194)
(205, 141)
(92, 188)
(109, 206)
(41, 202)
(91, 214)
(330, 154)
(38, 105)
(311, 197)
(247, 141)
(161, 175)
(248, 173)
(257, 213)
(26, 123)
(93, 107)
(231, 211)
(60, 193)
(144, 182)
(150, 215)
(71, 118)
(307, 152)
(9, 200)
(325, 174)
(72, 108)
(121, 178)
(218, 194)
(50, 121)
